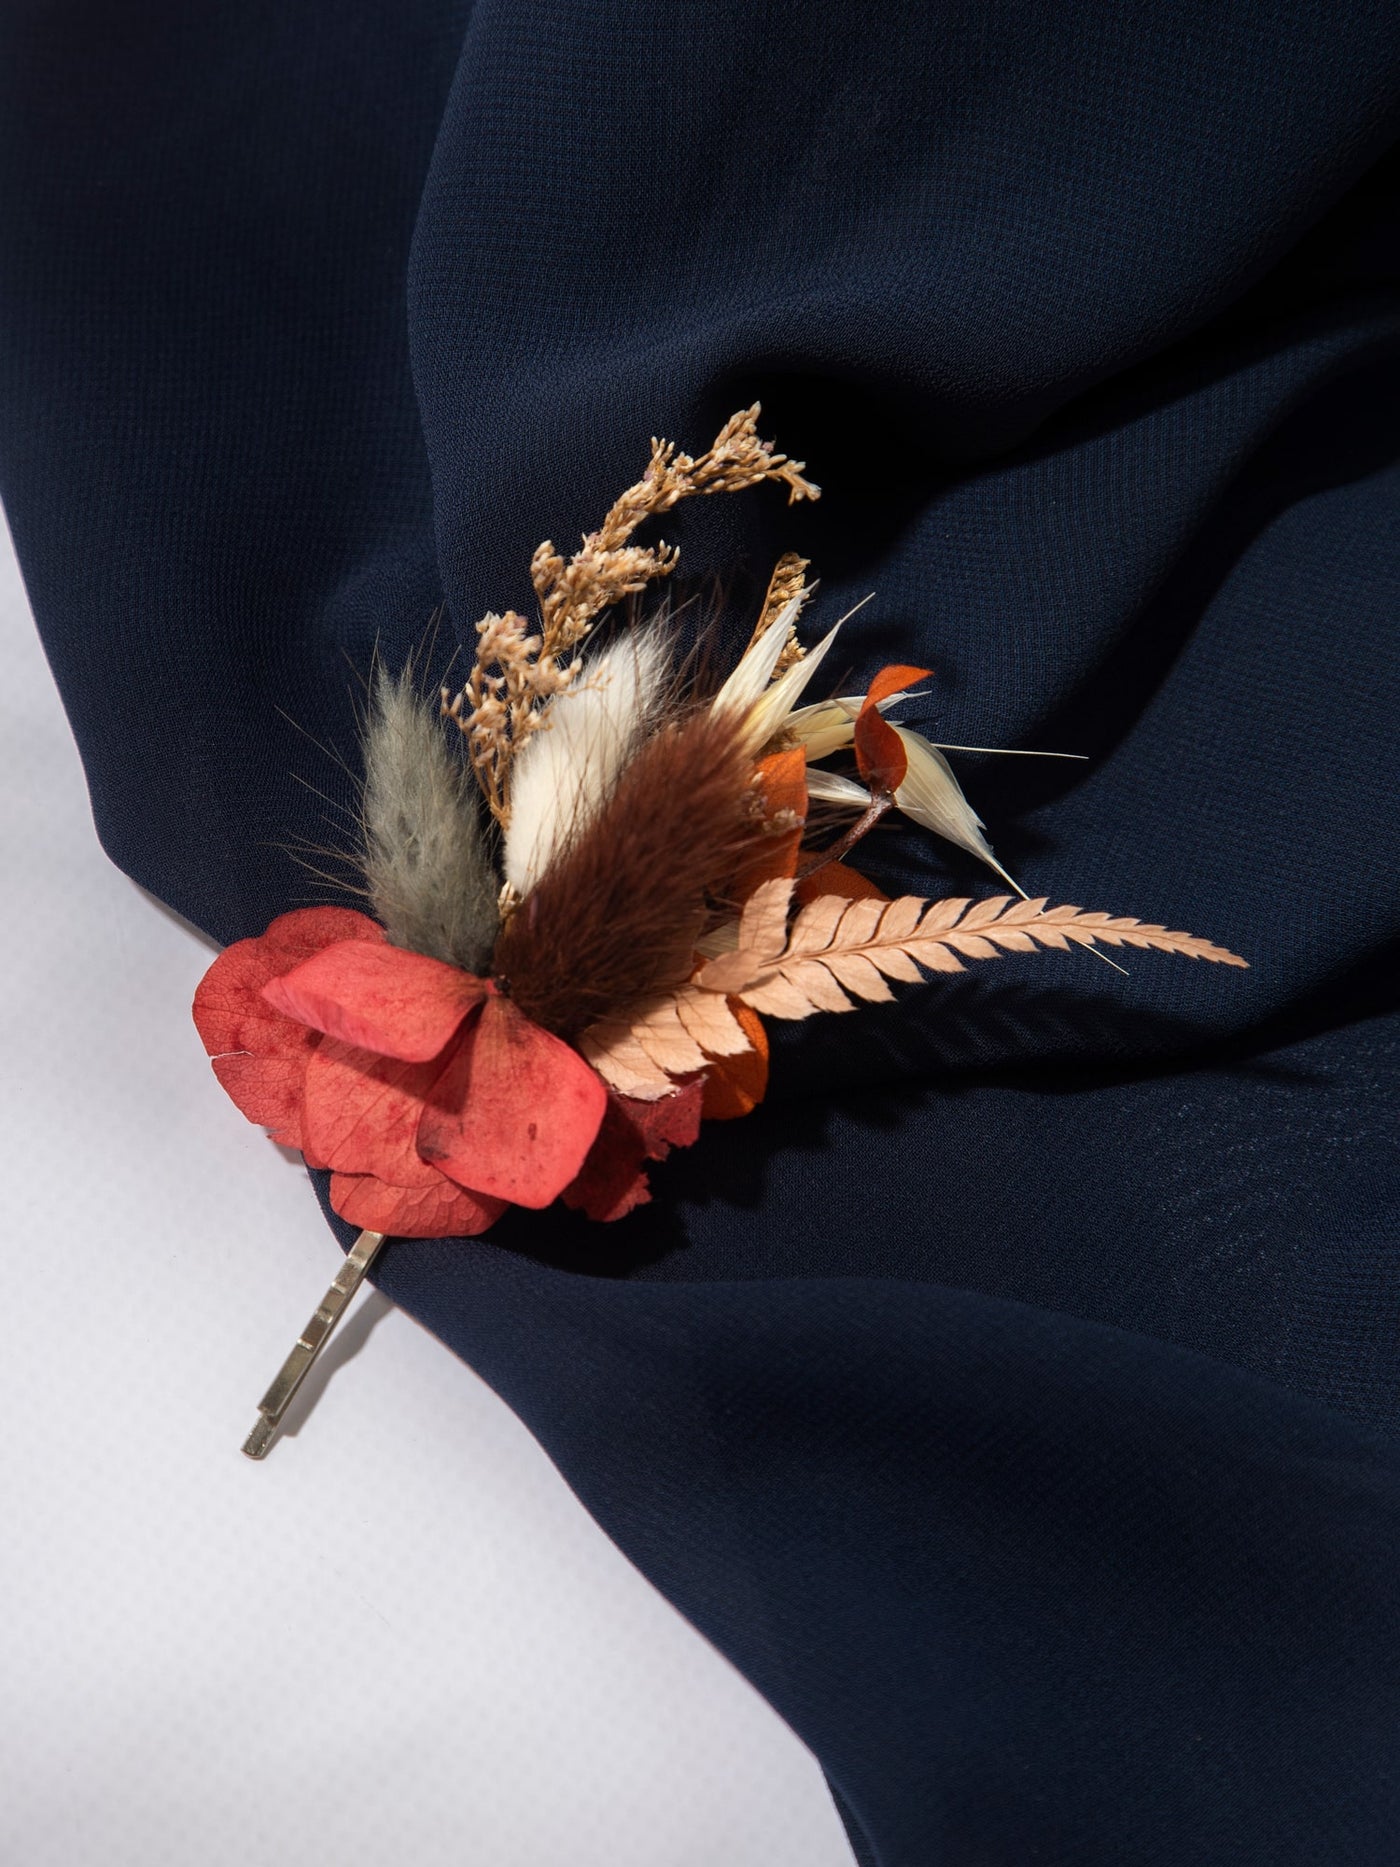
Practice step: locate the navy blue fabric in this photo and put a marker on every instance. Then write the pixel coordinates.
(1015, 1396)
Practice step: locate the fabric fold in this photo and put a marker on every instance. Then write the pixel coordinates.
(1014, 1396)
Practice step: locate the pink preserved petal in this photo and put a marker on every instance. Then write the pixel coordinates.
(379, 998)
(268, 1090)
(259, 1055)
(362, 1113)
(441, 1210)
(515, 1112)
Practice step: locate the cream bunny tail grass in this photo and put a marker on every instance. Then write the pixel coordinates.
(568, 769)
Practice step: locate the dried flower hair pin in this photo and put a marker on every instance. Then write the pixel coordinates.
(543, 1004)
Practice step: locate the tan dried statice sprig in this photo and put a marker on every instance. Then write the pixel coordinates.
(517, 672)
(513, 678)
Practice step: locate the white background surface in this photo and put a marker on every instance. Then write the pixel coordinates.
(399, 1639)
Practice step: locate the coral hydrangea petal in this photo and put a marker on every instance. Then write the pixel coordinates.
(734, 1086)
(259, 1055)
(379, 998)
(442, 1210)
(230, 1012)
(614, 1180)
(362, 1111)
(268, 1090)
(515, 1112)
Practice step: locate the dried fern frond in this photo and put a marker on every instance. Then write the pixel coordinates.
(427, 870)
(640, 1054)
(837, 953)
(518, 671)
(837, 948)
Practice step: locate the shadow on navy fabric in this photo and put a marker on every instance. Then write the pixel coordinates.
(1014, 1398)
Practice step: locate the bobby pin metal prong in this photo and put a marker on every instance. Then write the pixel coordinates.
(309, 1344)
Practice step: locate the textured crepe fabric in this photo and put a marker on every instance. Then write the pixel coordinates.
(1014, 1398)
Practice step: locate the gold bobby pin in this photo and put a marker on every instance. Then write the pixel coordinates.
(309, 1344)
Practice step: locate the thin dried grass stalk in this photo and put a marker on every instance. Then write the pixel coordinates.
(572, 594)
(839, 948)
(512, 681)
(518, 671)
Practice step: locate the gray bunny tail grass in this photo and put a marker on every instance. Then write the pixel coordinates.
(426, 864)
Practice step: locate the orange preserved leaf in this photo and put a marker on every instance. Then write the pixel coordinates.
(782, 778)
(734, 1086)
(837, 878)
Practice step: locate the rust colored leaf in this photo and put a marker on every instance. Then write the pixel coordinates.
(893, 680)
(614, 1180)
(880, 752)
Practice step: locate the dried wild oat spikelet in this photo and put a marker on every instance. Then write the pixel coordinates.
(787, 586)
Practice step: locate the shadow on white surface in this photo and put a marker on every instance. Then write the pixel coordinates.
(348, 1341)
(400, 1638)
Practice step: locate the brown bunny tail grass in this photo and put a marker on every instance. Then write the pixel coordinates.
(617, 914)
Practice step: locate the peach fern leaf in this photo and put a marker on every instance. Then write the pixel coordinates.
(839, 951)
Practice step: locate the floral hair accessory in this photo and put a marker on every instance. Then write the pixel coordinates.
(552, 992)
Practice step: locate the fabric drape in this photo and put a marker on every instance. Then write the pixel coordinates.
(1014, 1396)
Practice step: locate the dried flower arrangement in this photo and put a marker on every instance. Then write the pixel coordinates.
(553, 993)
